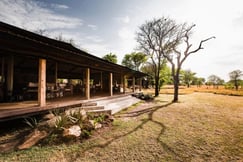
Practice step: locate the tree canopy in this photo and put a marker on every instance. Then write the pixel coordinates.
(134, 60)
(235, 77)
(110, 57)
(187, 77)
(165, 73)
(215, 80)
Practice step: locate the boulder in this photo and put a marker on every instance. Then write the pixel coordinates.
(74, 130)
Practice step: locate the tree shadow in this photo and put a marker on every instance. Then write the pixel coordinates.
(149, 111)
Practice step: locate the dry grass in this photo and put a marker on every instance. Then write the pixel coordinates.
(219, 90)
(201, 127)
(205, 89)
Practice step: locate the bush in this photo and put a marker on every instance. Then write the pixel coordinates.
(143, 96)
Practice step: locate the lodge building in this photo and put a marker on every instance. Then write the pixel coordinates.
(34, 67)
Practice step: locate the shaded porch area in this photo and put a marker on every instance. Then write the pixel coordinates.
(23, 109)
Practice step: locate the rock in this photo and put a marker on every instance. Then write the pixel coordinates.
(98, 125)
(95, 125)
(74, 130)
(48, 116)
(32, 139)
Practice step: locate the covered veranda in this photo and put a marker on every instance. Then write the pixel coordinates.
(38, 70)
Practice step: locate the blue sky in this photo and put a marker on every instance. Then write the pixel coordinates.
(103, 26)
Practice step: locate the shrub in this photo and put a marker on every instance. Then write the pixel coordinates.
(31, 122)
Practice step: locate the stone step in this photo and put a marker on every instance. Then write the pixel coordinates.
(114, 100)
(89, 104)
(87, 108)
(116, 105)
(99, 112)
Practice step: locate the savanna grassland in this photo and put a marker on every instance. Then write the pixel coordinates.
(200, 127)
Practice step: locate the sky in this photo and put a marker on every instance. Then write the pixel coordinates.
(104, 26)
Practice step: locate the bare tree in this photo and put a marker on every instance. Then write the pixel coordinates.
(153, 38)
(235, 77)
(42, 32)
(160, 38)
(71, 41)
(178, 57)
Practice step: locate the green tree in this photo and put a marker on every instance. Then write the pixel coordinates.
(215, 81)
(187, 77)
(110, 57)
(235, 77)
(148, 69)
(134, 60)
(198, 81)
(165, 73)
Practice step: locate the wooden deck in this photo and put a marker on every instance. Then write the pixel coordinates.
(10, 111)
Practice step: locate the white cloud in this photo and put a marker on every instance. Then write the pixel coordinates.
(124, 20)
(59, 6)
(96, 48)
(92, 44)
(30, 15)
(93, 27)
(95, 39)
(33, 16)
(125, 33)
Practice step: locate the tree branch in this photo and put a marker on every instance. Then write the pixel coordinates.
(200, 45)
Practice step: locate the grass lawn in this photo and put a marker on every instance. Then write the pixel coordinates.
(201, 127)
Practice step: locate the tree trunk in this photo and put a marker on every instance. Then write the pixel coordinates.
(156, 86)
(176, 88)
(236, 85)
(176, 85)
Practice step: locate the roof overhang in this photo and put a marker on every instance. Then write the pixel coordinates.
(18, 41)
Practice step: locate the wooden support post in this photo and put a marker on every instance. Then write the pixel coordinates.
(56, 72)
(42, 83)
(10, 76)
(2, 72)
(133, 84)
(110, 84)
(101, 81)
(124, 83)
(2, 80)
(87, 84)
(140, 84)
